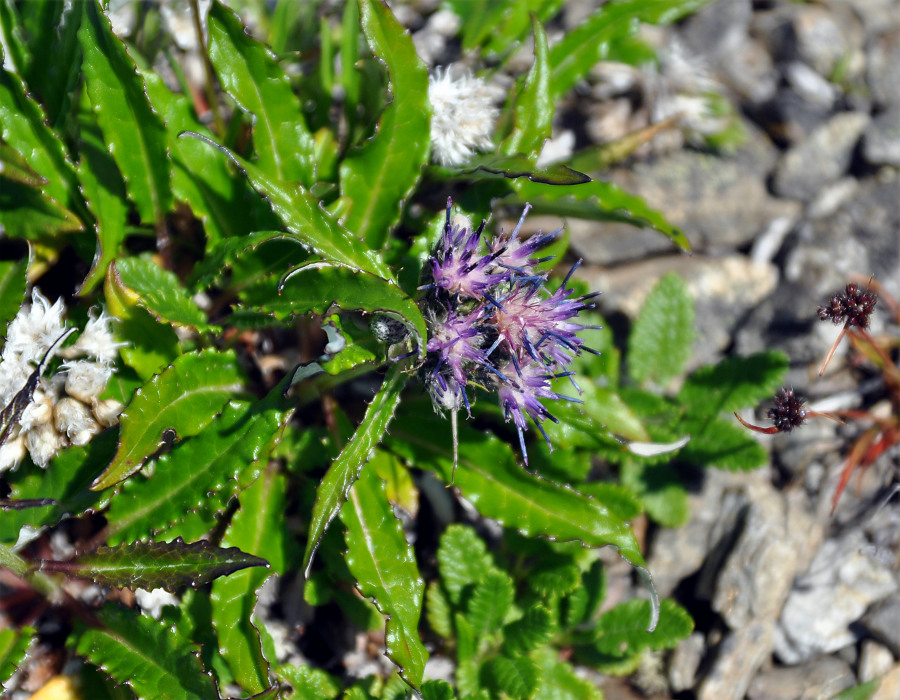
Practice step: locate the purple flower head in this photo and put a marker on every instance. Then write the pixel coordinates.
(529, 382)
(510, 252)
(493, 323)
(456, 266)
(457, 339)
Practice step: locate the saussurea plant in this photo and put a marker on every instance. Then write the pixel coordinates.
(241, 209)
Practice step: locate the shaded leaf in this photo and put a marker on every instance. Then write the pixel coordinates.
(194, 482)
(534, 628)
(66, 481)
(517, 677)
(104, 194)
(598, 201)
(160, 292)
(135, 133)
(250, 73)
(29, 213)
(183, 399)
(662, 335)
(12, 291)
(379, 177)
(660, 490)
(491, 600)
(257, 528)
(463, 560)
(146, 655)
(622, 631)
(334, 487)
(582, 604)
(169, 565)
(733, 383)
(437, 610)
(384, 566)
(559, 681)
(533, 112)
(722, 443)
(437, 690)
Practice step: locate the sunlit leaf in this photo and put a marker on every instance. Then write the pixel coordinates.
(160, 292)
(379, 177)
(533, 111)
(385, 568)
(181, 400)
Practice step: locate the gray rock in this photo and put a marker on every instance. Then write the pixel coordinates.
(825, 36)
(888, 685)
(874, 660)
(720, 202)
(718, 29)
(883, 67)
(824, 677)
(685, 662)
(820, 159)
(883, 623)
(775, 540)
(789, 118)
(750, 71)
(839, 585)
(723, 289)
(881, 142)
(810, 85)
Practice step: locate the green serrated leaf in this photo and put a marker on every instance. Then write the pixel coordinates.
(437, 610)
(384, 566)
(492, 597)
(250, 73)
(554, 579)
(256, 528)
(581, 605)
(145, 655)
(194, 482)
(335, 486)
(722, 443)
(135, 133)
(622, 631)
(23, 126)
(517, 677)
(149, 346)
(511, 167)
(104, 194)
(316, 287)
(661, 337)
(560, 682)
(589, 42)
(733, 383)
(13, 650)
(597, 201)
(305, 219)
(603, 412)
(309, 683)
(437, 690)
(183, 398)
(29, 213)
(160, 292)
(490, 479)
(379, 177)
(534, 107)
(462, 560)
(527, 633)
(12, 291)
(169, 565)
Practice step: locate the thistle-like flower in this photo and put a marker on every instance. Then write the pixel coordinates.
(463, 116)
(493, 323)
(853, 308)
(789, 412)
(40, 415)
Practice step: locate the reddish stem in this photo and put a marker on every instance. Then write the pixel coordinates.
(771, 430)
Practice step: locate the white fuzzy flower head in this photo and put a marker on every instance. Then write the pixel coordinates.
(97, 340)
(463, 116)
(86, 380)
(34, 329)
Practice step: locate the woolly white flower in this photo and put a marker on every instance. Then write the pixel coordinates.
(11, 453)
(97, 340)
(74, 420)
(152, 602)
(34, 330)
(43, 442)
(86, 380)
(463, 116)
(107, 412)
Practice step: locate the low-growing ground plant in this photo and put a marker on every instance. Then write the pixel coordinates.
(263, 303)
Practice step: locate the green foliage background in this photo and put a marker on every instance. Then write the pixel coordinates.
(298, 205)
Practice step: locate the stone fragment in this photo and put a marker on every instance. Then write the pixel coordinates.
(824, 677)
